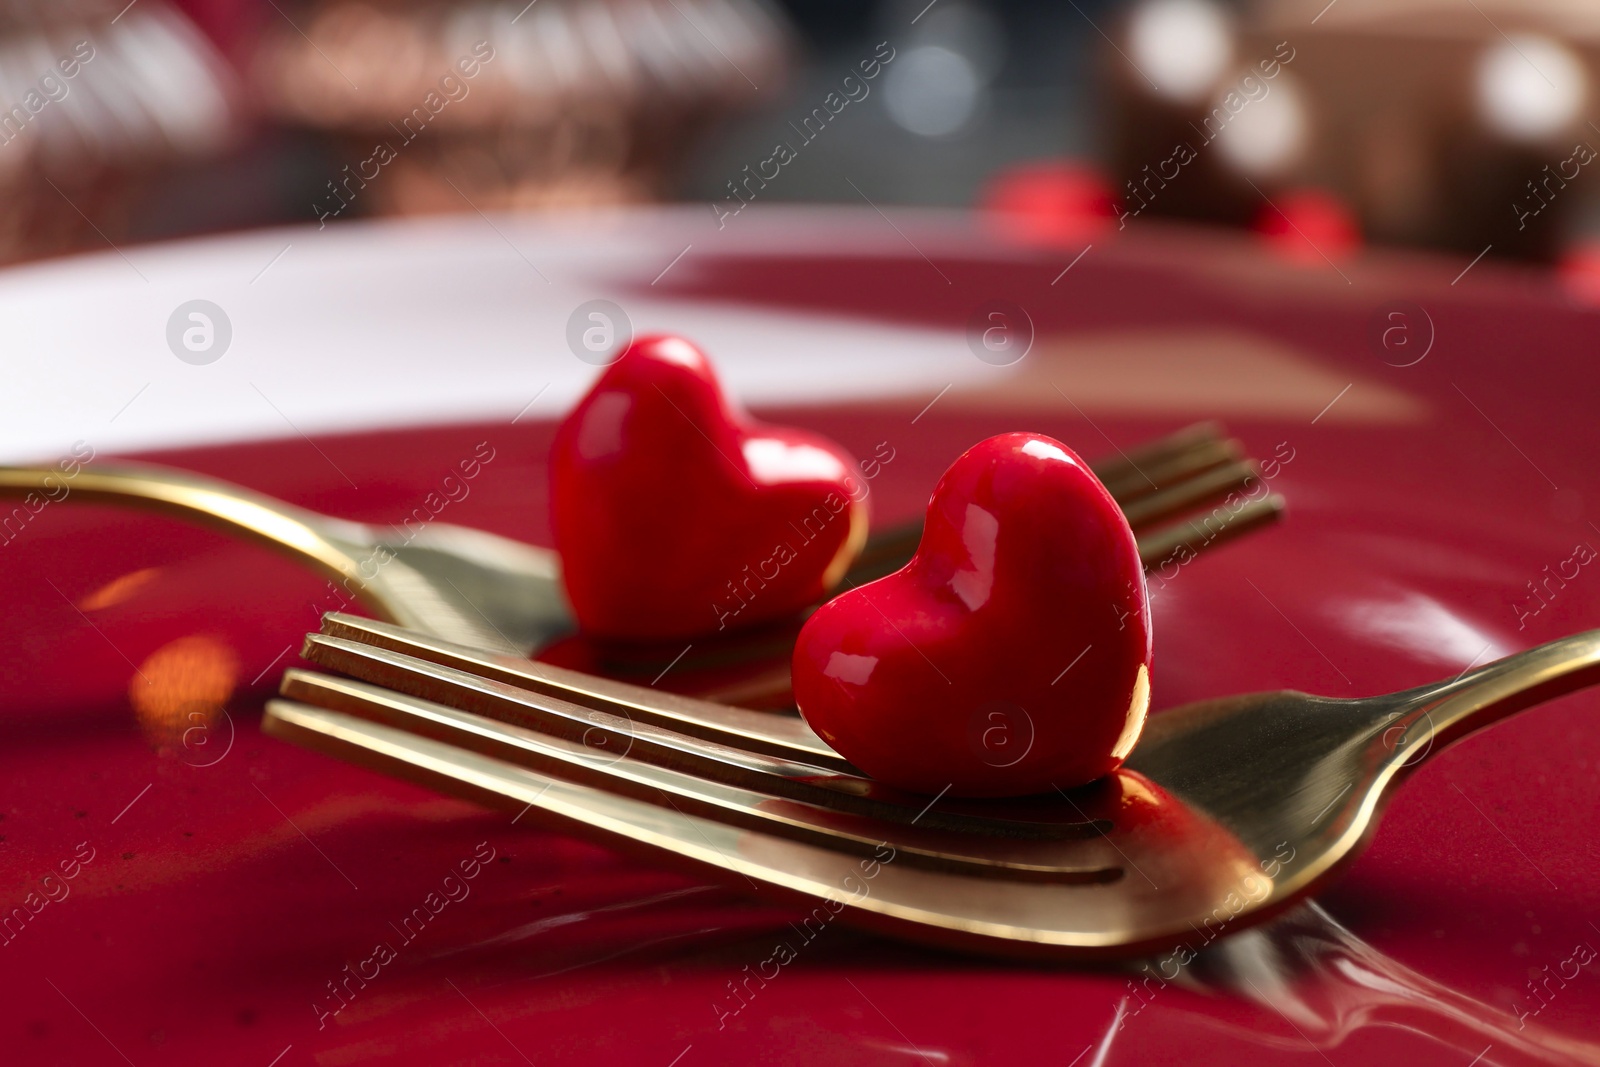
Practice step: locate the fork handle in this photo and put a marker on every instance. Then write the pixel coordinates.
(332, 546)
(1440, 714)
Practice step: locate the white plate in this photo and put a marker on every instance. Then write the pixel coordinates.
(409, 322)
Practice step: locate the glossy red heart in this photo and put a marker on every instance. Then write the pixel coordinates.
(676, 514)
(1011, 655)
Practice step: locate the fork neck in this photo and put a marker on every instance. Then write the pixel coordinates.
(336, 548)
(1435, 716)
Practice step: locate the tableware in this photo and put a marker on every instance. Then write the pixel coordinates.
(485, 590)
(1229, 811)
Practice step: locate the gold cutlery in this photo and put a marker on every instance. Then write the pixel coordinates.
(488, 591)
(1229, 810)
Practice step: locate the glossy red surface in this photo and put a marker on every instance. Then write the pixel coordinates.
(1017, 655)
(676, 515)
(233, 879)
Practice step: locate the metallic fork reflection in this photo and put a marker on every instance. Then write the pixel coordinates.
(488, 591)
(934, 841)
(1230, 810)
(614, 730)
(348, 640)
(1333, 985)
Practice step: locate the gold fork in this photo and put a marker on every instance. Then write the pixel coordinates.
(488, 591)
(1228, 812)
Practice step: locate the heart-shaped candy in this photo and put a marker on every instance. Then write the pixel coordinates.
(675, 514)
(1011, 656)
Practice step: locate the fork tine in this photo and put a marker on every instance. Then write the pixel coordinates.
(1152, 476)
(1158, 547)
(1209, 472)
(784, 736)
(1167, 459)
(1191, 492)
(1162, 448)
(773, 775)
(994, 914)
(1188, 862)
(623, 823)
(688, 794)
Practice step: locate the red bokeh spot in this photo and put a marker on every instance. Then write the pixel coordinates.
(1309, 226)
(1055, 202)
(1579, 272)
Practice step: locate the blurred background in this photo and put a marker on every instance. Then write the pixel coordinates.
(1460, 125)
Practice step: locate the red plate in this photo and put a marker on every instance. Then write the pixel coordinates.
(248, 902)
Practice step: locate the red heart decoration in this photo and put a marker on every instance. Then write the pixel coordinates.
(1011, 655)
(675, 514)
